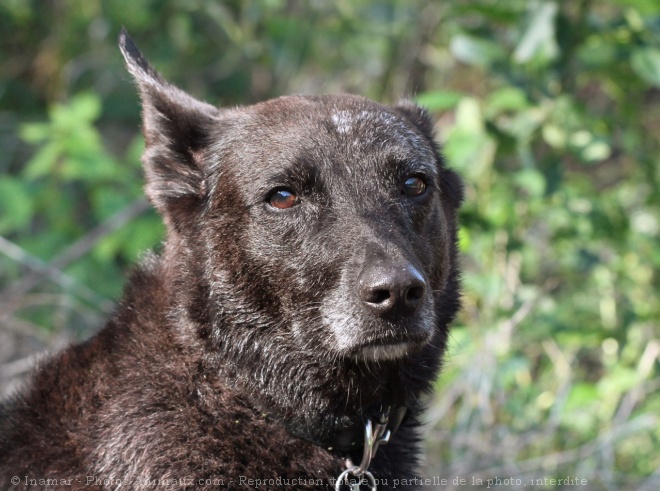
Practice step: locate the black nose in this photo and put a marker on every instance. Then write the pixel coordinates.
(393, 291)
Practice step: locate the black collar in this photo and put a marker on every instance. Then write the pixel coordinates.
(348, 440)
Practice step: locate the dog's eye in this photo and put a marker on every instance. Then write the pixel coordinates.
(282, 199)
(414, 186)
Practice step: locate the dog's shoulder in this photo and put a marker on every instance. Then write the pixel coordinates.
(47, 420)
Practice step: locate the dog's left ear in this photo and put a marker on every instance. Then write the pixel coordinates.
(450, 182)
(176, 128)
(417, 116)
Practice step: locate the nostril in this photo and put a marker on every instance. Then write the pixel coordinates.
(414, 295)
(378, 296)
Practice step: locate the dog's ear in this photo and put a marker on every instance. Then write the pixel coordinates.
(417, 116)
(176, 128)
(450, 182)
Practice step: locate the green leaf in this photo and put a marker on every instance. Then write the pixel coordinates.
(499, 212)
(554, 135)
(134, 151)
(646, 64)
(539, 37)
(531, 181)
(597, 53)
(596, 151)
(86, 107)
(439, 100)
(476, 51)
(15, 204)
(582, 394)
(645, 7)
(619, 380)
(506, 99)
(89, 167)
(34, 132)
(133, 240)
(500, 13)
(78, 113)
(43, 162)
(469, 116)
(464, 240)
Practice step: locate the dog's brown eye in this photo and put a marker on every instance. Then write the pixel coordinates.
(414, 186)
(283, 199)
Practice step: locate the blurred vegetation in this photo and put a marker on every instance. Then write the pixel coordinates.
(549, 110)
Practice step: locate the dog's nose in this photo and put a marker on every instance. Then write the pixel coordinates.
(392, 291)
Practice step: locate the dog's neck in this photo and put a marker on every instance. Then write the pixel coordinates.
(348, 440)
(333, 421)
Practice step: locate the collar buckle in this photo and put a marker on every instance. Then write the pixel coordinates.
(375, 434)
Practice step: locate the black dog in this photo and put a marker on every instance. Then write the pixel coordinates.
(304, 292)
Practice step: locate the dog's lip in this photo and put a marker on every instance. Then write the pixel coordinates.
(384, 341)
(389, 347)
(398, 334)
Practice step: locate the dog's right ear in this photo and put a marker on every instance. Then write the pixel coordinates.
(176, 128)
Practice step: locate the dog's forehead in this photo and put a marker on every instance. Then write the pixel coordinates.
(336, 122)
(352, 120)
(343, 114)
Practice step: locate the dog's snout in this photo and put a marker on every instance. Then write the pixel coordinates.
(391, 290)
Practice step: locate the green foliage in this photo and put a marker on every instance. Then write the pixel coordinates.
(559, 231)
(549, 110)
(71, 183)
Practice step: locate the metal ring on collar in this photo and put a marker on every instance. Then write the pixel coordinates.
(359, 480)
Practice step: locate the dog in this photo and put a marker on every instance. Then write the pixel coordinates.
(292, 323)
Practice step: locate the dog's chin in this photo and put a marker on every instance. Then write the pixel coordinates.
(383, 352)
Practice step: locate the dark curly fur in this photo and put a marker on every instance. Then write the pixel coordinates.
(248, 330)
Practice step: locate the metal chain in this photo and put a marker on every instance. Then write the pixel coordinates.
(374, 435)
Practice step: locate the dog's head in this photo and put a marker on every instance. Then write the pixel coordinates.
(315, 229)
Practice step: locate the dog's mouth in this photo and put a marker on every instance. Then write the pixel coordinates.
(362, 331)
(383, 344)
(388, 351)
